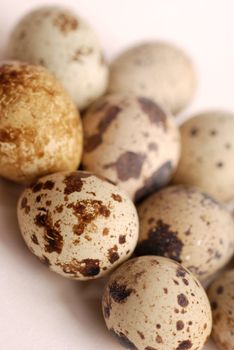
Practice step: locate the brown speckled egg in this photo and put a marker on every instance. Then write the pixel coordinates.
(40, 128)
(78, 224)
(64, 43)
(189, 226)
(153, 303)
(208, 153)
(157, 70)
(221, 295)
(131, 141)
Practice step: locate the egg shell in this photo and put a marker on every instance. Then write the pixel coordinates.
(157, 70)
(61, 41)
(40, 128)
(184, 224)
(131, 141)
(78, 224)
(208, 153)
(153, 303)
(221, 295)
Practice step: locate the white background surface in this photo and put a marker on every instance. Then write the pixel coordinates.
(40, 310)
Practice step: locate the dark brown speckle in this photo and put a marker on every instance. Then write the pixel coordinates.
(182, 300)
(119, 292)
(25, 206)
(113, 255)
(73, 182)
(184, 345)
(52, 237)
(161, 241)
(116, 197)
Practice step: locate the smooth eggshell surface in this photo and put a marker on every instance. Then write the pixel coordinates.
(64, 43)
(131, 141)
(157, 70)
(80, 225)
(221, 295)
(40, 128)
(184, 224)
(153, 303)
(208, 153)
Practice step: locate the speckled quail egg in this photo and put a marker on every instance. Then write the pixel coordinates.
(131, 141)
(64, 43)
(40, 128)
(80, 225)
(157, 70)
(189, 226)
(221, 294)
(153, 303)
(208, 153)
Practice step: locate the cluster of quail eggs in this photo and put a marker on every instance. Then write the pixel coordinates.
(110, 175)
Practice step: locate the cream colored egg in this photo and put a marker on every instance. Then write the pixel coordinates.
(157, 70)
(208, 153)
(221, 295)
(131, 141)
(186, 225)
(153, 303)
(64, 43)
(40, 128)
(80, 225)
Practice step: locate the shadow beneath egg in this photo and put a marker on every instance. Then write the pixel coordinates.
(10, 235)
(84, 304)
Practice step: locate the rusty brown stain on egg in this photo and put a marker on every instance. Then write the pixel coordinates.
(65, 22)
(73, 182)
(113, 255)
(52, 237)
(87, 211)
(86, 267)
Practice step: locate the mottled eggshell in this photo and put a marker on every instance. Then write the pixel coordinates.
(221, 295)
(78, 224)
(40, 128)
(208, 153)
(153, 303)
(64, 43)
(186, 225)
(157, 70)
(131, 141)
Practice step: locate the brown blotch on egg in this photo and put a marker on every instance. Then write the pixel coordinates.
(154, 112)
(120, 292)
(162, 241)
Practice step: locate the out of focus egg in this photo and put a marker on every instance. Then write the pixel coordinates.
(64, 43)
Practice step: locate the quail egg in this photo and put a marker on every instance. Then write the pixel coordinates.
(208, 153)
(189, 226)
(221, 294)
(131, 141)
(64, 43)
(153, 303)
(78, 224)
(40, 128)
(157, 70)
